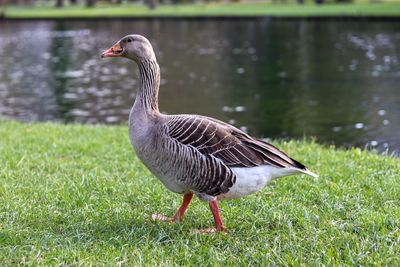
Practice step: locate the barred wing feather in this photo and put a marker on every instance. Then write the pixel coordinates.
(227, 143)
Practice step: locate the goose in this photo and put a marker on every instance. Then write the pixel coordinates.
(194, 154)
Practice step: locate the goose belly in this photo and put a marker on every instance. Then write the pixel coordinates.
(169, 177)
(163, 166)
(251, 180)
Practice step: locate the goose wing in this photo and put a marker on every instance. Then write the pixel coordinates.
(226, 143)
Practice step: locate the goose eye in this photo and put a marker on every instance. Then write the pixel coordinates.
(129, 40)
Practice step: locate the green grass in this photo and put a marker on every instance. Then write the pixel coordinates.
(77, 195)
(212, 9)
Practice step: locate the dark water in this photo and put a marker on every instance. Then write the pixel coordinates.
(336, 80)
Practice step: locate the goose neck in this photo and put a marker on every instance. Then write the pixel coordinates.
(149, 75)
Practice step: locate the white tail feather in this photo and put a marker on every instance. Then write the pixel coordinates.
(308, 172)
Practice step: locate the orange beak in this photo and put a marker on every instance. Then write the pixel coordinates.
(114, 51)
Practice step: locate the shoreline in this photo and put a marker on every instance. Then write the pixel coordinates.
(211, 17)
(356, 11)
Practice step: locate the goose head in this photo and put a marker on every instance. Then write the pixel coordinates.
(133, 46)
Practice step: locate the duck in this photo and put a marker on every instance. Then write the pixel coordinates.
(194, 154)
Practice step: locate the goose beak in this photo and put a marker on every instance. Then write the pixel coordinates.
(114, 51)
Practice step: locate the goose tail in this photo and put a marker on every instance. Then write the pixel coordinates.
(308, 172)
(303, 169)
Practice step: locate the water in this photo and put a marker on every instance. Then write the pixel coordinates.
(336, 80)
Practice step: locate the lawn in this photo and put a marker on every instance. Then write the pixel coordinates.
(208, 10)
(77, 195)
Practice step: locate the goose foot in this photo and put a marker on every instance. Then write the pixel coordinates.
(219, 226)
(161, 218)
(209, 231)
(179, 213)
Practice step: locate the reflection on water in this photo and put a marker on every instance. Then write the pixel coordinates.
(338, 81)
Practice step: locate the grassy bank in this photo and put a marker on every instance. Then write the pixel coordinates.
(213, 9)
(77, 195)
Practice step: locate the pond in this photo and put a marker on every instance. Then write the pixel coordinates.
(338, 81)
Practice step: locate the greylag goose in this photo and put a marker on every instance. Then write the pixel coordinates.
(193, 154)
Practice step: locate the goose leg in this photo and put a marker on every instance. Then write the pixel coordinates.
(179, 213)
(217, 217)
(219, 226)
(183, 208)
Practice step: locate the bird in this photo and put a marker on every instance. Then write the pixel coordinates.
(194, 154)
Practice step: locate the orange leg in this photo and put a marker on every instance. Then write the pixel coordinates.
(183, 208)
(179, 213)
(219, 226)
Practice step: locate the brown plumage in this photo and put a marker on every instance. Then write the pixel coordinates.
(193, 154)
(231, 145)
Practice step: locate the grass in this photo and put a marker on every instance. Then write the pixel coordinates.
(77, 195)
(206, 10)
